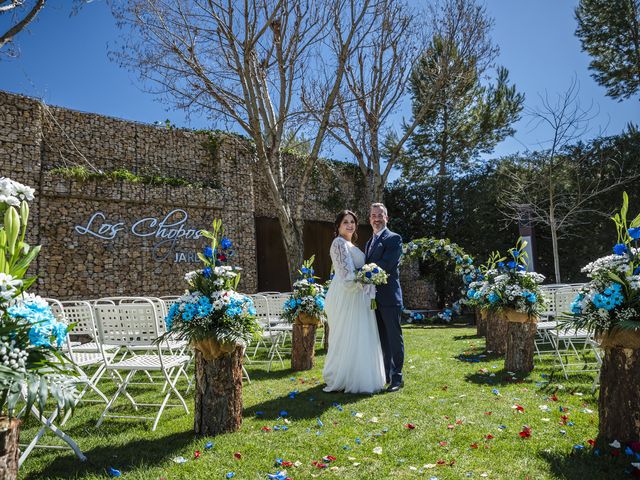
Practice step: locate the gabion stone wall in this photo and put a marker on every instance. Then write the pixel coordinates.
(105, 237)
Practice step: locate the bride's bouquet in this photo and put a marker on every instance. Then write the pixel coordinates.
(371, 274)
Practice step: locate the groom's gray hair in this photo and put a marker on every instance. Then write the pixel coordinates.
(379, 205)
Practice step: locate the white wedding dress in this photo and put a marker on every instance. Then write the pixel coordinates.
(354, 361)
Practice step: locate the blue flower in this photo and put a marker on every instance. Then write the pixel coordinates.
(206, 272)
(225, 243)
(500, 264)
(620, 249)
(471, 293)
(320, 302)
(634, 233)
(512, 264)
(311, 280)
(187, 315)
(60, 332)
(376, 270)
(637, 270)
(208, 252)
(493, 297)
(515, 252)
(368, 274)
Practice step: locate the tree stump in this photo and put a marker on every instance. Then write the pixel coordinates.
(303, 346)
(326, 336)
(481, 322)
(9, 452)
(521, 336)
(218, 396)
(496, 333)
(619, 403)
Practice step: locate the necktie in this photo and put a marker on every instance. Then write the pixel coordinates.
(371, 243)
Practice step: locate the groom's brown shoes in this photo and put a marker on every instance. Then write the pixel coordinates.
(394, 387)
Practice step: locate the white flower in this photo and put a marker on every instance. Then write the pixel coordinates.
(8, 286)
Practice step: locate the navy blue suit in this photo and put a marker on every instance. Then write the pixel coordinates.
(385, 252)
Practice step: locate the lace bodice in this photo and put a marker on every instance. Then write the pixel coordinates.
(346, 258)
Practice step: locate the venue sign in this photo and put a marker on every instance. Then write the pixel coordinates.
(166, 232)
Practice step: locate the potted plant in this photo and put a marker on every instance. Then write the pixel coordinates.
(305, 309)
(477, 297)
(218, 322)
(609, 306)
(32, 369)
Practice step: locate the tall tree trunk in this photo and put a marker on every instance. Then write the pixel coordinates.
(218, 396)
(556, 253)
(9, 451)
(292, 235)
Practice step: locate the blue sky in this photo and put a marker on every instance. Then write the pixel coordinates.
(64, 61)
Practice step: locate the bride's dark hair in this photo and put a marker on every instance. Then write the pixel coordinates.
(339, 219)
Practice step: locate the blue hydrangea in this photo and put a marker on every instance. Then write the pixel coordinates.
(620, 249)
(493, 297)
(44, 327)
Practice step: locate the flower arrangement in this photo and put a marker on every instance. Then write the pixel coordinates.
(508, 285)
(30, 335)
(211, 308)
(307, 300)
(371, 274)
(611, 299)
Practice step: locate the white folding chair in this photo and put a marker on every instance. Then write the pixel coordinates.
(276, 321)
(69, 310)
(47, 424)
(567, 344)
(137, 324)
(270, 338)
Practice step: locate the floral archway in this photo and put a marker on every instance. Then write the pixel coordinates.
(447, 254)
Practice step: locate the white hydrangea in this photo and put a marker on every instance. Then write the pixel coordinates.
(12, 356)
(610, 262)
(12, 192)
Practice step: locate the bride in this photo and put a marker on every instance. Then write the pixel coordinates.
(354, 360)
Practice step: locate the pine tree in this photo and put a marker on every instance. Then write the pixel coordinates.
(610, 33)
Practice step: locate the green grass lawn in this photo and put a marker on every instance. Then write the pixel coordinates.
(462, 428)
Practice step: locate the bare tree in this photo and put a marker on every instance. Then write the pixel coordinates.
(555, 187)
(23, 15)
(247, 62)
(375, 82)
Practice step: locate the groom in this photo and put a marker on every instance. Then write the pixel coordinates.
(384, 249)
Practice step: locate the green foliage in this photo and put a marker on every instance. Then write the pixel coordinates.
(83, 174)
(466, 117)
(610, 31)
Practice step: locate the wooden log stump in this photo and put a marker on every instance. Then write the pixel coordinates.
(496, 333)
(9, 452)
(218, 395)
(619, 403)
(304, 343)
(326, 336)
(521, 335)
(481, 322)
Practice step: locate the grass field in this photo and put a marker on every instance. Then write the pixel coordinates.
(461, 405)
